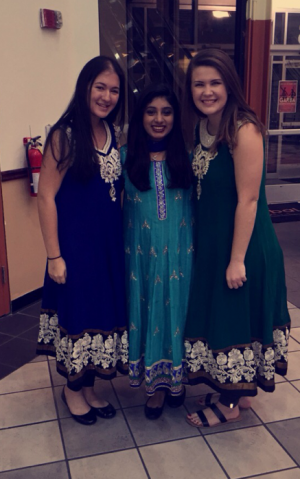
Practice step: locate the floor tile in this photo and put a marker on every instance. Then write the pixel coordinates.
(124, 464)
(283, 403)
(248, 418)
(296, 384)
(31, 334)
(290, 474)
(106, 435)
(30, 376)
(279, 379)
(57, 379)
(32, 310)
(294, 296)
(127, 395)
(4, 338)
(290, 305)
(57, 470)
(295, 317)
(30, 445)
(5, 370)
(181, 459)
(293, 366)
(16, 324)
(243, 452)
(171, 425)
(39, 358)
(293, 345)
(17, 352)
(26, 407)
(287, 433)
(295, 333)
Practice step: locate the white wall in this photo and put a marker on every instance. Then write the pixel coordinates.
(39, 67)
(278, 4)
(38, 71)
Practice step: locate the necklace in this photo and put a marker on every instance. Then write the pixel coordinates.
(205, 138)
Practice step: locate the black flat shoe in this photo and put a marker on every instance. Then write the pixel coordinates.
(86, 419)
(176, 401)
(107, 412)
(154, 412)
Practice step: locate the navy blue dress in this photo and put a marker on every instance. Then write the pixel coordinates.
(83, 321)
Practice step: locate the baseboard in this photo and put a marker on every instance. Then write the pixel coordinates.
(26, 300)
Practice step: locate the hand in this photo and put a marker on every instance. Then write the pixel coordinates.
(57, 270)
(236, 274)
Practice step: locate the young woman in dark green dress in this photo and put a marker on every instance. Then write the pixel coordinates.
(238, 323)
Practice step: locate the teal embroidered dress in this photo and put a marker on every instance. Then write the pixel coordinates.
(158, 259)
(235, 339)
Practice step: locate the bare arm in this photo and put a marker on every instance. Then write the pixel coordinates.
(49, 184)
(248, 166)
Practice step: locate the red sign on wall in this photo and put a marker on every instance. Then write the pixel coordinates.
(287, 96)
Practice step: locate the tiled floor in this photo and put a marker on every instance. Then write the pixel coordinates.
(38, 439)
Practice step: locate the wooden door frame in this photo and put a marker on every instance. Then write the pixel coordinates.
(4, 283)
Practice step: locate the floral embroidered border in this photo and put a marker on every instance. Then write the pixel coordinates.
(239, 364)
(90, 350)
(160, 190)
(160, 374)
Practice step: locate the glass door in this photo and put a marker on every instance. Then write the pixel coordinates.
(283, 140)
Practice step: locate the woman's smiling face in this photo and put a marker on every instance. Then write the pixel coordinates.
(209, 91)
(158, 118)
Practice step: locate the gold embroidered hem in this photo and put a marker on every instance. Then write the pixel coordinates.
(239, 368)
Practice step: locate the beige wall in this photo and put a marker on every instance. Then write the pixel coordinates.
(38, 74)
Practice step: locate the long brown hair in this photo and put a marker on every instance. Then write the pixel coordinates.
(235, 109)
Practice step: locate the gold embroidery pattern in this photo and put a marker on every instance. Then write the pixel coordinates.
(156, 331)
(160, 190)
(157, 280)
(127, 250)
(137, 199)
(139, 250)
(133, 327)
(183, 223)
(145, 225)
(173, 275)
(110, 169)
(190, 249)
(176, 332)
(165, 250)
(178, 196)
(152, 252)
(132, 277)
(200, 164)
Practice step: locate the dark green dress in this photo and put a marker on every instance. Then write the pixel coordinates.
(235, 339)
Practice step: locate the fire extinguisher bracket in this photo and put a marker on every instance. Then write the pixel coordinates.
(34, 161)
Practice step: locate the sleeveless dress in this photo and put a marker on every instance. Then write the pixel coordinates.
(158, 259)
(83, 322)
(235, 339)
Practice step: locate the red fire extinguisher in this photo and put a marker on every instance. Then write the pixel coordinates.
(34, 159)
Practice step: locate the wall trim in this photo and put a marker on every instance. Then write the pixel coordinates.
(17, 174)
(26, 300)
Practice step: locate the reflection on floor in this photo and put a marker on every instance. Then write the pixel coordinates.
(38, 439)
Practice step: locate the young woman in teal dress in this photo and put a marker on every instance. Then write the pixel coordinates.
(158, 246)
(238, 324)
